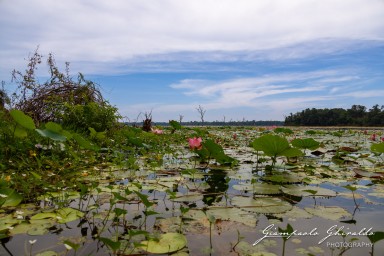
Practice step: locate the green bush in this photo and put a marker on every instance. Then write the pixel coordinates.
(101, 117)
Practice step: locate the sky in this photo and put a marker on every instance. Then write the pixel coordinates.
(237, 59)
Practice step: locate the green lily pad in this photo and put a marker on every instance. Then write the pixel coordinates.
(307, 143)
(328, 212)
(65, 215)
(259, 188)
(30, 228)
(295, 213)
(9, 197)
(283, 178)
(189, 198)
(233, 214)
(300, 191)
(8, 221)
(167, 243)
(62, 215)
(266, 205)
(47, 253)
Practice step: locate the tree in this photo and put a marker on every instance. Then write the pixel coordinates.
(201, 111)
(61, 98)
(181, 118)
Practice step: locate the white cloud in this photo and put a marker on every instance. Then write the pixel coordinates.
(120, 31)
(268, 96)
(364, 94)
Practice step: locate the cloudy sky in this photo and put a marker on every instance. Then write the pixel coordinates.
(238, 59)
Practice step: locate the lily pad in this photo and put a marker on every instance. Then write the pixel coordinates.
(47, 253)
(283, 178)
(167, 243)
(266, 205)
(328, 212)
(31, 228)
(62, 215)
(189, 198)
(9, 197)
(233, 214)
(259, 188)
(295, 213)
(300, 191)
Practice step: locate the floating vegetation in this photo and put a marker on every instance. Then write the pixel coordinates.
(160, 193)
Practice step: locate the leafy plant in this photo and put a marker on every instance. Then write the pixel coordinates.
(374, 238)
(175, 125)
(275, 146)
(378, 147)
(24, 123)
(307, 143)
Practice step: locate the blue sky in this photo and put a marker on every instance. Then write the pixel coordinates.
(254, 60)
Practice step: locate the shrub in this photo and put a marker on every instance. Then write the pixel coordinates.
(100, 117)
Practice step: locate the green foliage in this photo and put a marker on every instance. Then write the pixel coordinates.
(274, 146)
(9, 197)
(378, 147)
(357, 115)
(101, 117)
(213, 150)
(175, 125)
(287, 232)
(308, 143)
(84, 143)
(377, 236)
(53, 131)
(114, 245)
(165, 244)
(22, 119)
(286, 131)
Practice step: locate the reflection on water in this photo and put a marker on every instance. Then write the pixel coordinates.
(226, 240)
(218, 185)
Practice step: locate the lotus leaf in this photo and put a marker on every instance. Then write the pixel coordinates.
(282, 178)
(51, 135)
(233, 214)
(267, 205)
(274, 145)
(20, 132)
(296, 213)
(328, 212)
(63, 215)
(216, 151)
(259, 188)
(9, 197)
(378, 147)
(167, 243)
(8, 221)
(307, 143)
(307, 191)
(22, 119)
(47, 253)
(193, 197)
(31, 228)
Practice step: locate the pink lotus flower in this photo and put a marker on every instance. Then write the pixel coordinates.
(373, 137)
(382, 139)
(157, 131)
(234, 136)
(195, 143)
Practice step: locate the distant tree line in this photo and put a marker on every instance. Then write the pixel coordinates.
(222, 123)
(357, 115)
